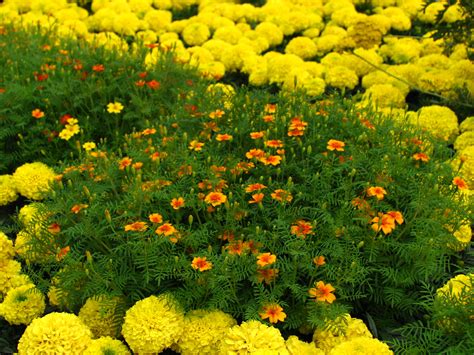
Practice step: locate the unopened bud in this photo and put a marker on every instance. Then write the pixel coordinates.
(86, 191)
(107, 216)
(190, 219)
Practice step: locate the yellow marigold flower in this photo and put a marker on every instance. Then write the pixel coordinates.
(114, 107)
(334, 144)
(203, 332)
(438, 120)
(55, 333)
(153, 324)
(341, 77)
(298, 347)
(464, 140)
(32, 180)
(303, 47)
(467, 125)
(456, 289)
(8, 191)
(463, 235)
(69, 131)
(98, 313)
(376, 191)
(342, 329)
(215, 198)
(195, 34)
(361, 346)
(265, 259)
(253, 336)
(6, 248)
(22, 304)
(383, 95)
(89, 146)
(195, 145)
(106, 345)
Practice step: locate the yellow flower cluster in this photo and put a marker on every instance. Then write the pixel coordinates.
(99, 315)
(253, 337)
(71, 129)
(340, 330)
(203, 332)
(8, 191)
(361, 346)
(438, 120)
(6, 248)
(32, 180)
(106, 345)
(456, 289)
(55, 333)
(297, 347)
(22, 304)
(152, 324)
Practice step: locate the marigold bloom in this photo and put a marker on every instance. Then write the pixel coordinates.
(196, 145)
(319, 260)
(155, 218)
(323, 292)
(54, 228)
(302, 229)
(77, 208)
(257, 198)
(274, 143)
(148, 131)
(271, 160)
(255, 153)
(270, 108)
(267, 275)
(460, 183)
(137, 165)
(421, 156)
(114, 107)
(377, 191)
(223, 137)
(37, 113)
(397, 216)
(89, 146)
(201, 264)
(62, 253)
(216, 114)
(274, 313)
(266, 259)
(255, 187)
(166, 229)
(98, 68)
(153, 84)
(136, 227)
(215, 198)
(124, 163)
(295, 133)
(177, 203)
(268, 118)
(297, 123)
(383, 222)
(256, 135)
(236, 247)
(282, 195)
(335, 145)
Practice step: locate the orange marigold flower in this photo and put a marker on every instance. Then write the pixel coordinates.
(201, 264)
(384, 222)
(77, 208)
(155, 218)
(377, 191)
(255, 187)
(257, 198)
(301, 229)
(98, 68)
(255, 153)
(166, 229)
(267, 275)
(216, 114)
(62, 253)
(360, 203)
(137, 165)
(195, 145)
(270, 108)
(257, 135)
(268, 118)
(397, 216)
(282, 195)
(156, 155)
(140, 83)
(177, 203)
(295, 132)
(323, 292)
(236, 247)
(37, 113)
(223, 137)
(319, 260)
(124, 163)
(421, 156)
(334, 144)
(215, 198)
(274, 143)
(148, 131)
(273, 312)
(271, 160)
(298, 124)
(136, 227)
(54, 228)
(365, 122)
(153, 84)
(266, 259)
(460, 183)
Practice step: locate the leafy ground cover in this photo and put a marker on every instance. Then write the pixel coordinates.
(170, 202)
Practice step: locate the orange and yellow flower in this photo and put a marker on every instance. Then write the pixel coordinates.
(255, 187)
(216, 114)
(195, 145)
(460, 183)
(384, 222)
(421, 156)
(223, 137)
(273, 312)
(319, 260)
(255, 153)
(201, 264)
(215, 198)
(37, 113)
(177, 203)
(302, 229)
(257, 198)
(274, 143)
(166, 229)
(123, 163)
(265, 259)
(271, 160)
(77, 208)
(334, 144)
(155, 218)
(376, 191)
(282, 195)
(136, 227)
(267, 275)
(257, 135)
(323, 292)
